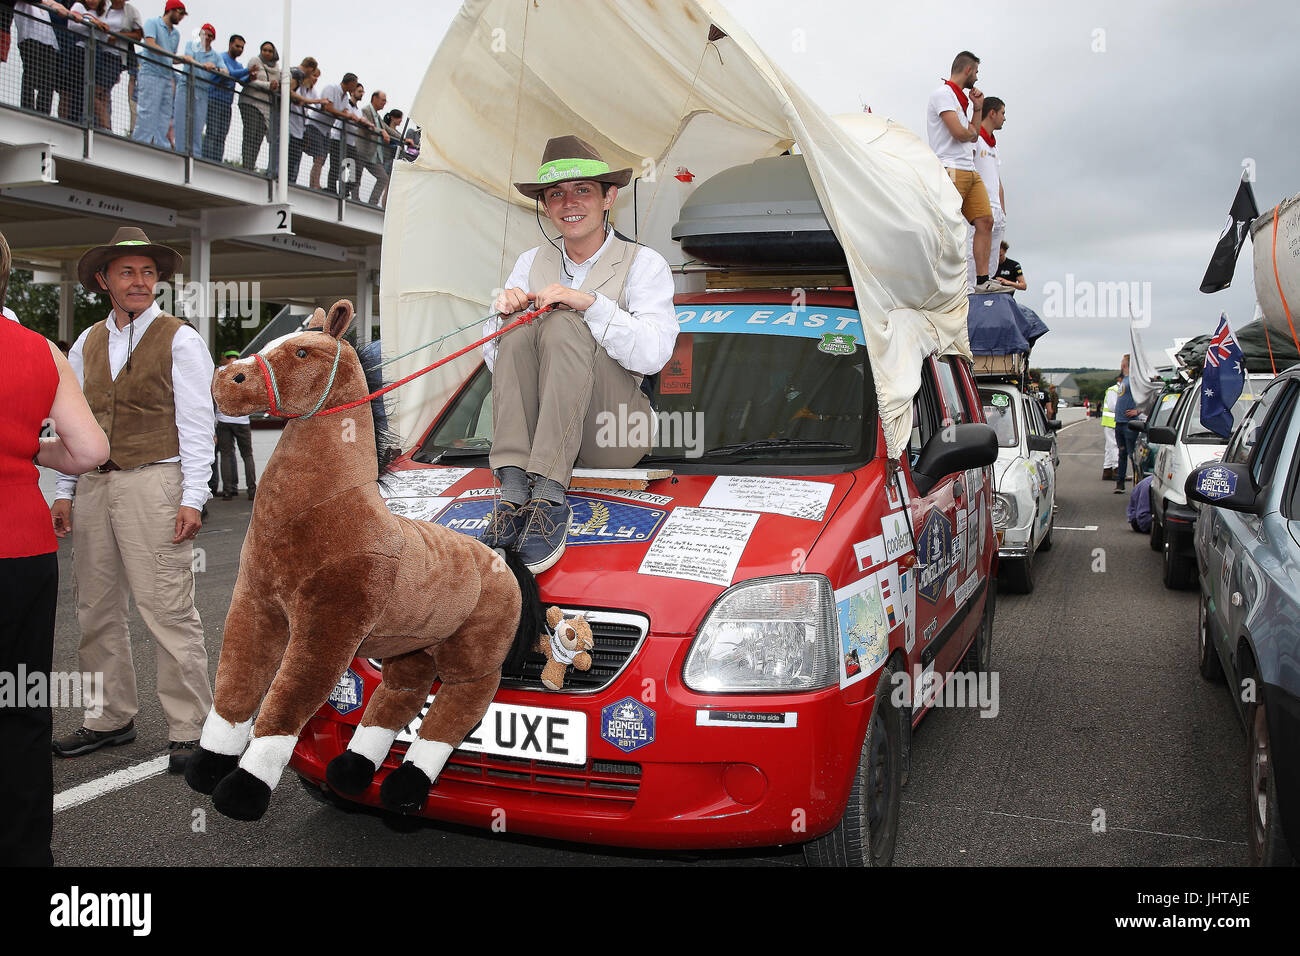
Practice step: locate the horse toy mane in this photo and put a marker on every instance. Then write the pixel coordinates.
(326, 573)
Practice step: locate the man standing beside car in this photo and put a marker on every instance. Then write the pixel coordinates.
(1110, 456)
(1125, 438)
(555, 378)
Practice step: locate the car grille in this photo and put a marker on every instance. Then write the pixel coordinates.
(618, 636)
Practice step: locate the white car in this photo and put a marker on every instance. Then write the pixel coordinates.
(1024, 500)
(1180, 446)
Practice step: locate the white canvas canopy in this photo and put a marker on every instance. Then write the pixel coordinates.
(642, 81)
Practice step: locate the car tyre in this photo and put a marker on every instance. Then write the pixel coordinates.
(1046, 543)
(1268, 846)
(1157, 532)
(1019, 575)
(868, 832)
(980, 653)
(1210, 666)
(1178, 568)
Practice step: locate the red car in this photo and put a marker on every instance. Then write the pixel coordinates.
(763, 618)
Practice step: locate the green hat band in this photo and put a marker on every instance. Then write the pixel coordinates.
(558, 169)
(131, 242)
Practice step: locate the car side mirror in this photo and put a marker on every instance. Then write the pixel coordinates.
(973, 445)
(1161, 436)
(1141, 427)
(1223, 485)
(1054, 424)
(1040, 442)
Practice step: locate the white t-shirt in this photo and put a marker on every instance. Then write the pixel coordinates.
(953, 153)
(986, 164)
(326, 122)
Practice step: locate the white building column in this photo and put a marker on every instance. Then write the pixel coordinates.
(367, 274)
(200, 306)
(67, 309)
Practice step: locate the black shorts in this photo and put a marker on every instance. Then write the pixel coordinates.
(314, 143)
(108, 68)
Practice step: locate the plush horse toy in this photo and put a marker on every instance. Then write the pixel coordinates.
(327, 572)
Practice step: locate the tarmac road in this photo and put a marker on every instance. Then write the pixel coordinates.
(1102, 718)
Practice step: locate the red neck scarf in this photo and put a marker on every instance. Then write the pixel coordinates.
(961, 97)
(988, 137)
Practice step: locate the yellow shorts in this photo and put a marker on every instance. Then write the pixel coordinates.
(974, 197)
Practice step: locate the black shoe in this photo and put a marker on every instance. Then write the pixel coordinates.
(227, 495)
(546, 530)
(1119, 489)
(505, 526)
(252, 490)
(84, 740)
(179, 753)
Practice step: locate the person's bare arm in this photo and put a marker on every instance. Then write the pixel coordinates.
(1002, 197)
(78, 443)
(961, 132)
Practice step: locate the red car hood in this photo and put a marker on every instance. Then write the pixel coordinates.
(613, 532)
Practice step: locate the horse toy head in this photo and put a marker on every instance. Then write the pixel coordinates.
(297, 375)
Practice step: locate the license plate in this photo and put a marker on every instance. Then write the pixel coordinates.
(514, 730)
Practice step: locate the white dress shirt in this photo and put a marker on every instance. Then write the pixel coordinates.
(641, 338)
(192, 370)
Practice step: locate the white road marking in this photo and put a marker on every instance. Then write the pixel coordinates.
(1082, 823)
(92, 790)
(1061, 527)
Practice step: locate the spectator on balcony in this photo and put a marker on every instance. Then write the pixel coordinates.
(110, 56)
(256, 101)
(39, 48)
(156, 85)
(203, 64)
(357, 131)
(375, 145)
(301, 96)
(72, 32)
(392, 126)
(337, 96)
(220, 98)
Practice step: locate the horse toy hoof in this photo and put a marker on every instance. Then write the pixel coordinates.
(350, 773)
(405, 789)
(206, 769)
(241, 796)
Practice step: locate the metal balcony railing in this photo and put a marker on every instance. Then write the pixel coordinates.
(95, 79)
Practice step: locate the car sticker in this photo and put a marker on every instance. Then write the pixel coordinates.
(418, 509)
(782, 496)
(999, 399)
(591, 520)
(675, 378)
(907, 588)
(897, 535)
(869, 553)
(700, 544)
(837, 343)
(627, 725)
(1229, 556)
(863, 628)
(891, 494)
(1216, 483)
(810, 323)
(934, 555)
(644, 497)
(974, 540)
(967, 589)
(746, 718)
(420, 482)
(347, 693)
(925, 686)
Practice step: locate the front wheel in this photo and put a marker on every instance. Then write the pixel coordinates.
(1178, 567)
(1019, 574)
(1157, 532)
(868, 831)
(1210, 666)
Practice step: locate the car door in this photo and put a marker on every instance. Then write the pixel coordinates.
(1047, 461)
(934, 527)
(1233, 538)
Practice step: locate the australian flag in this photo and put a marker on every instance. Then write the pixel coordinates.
(1224, 261)
(1222, 380)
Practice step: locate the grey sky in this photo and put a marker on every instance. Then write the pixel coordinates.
(1119, 163)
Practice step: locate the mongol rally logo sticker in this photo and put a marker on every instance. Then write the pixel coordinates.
(628, 725)
(346, 695)
(1217, 482)
(591, 521)
(934, 555)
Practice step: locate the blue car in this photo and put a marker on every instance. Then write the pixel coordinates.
(1247, 544)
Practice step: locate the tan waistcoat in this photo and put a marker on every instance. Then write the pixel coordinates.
(137, 410)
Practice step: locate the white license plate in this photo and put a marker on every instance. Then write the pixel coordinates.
(514, 730)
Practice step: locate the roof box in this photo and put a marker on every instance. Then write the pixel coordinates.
(765, 213)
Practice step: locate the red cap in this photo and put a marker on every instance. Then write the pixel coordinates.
(174, 5)
(210, 28)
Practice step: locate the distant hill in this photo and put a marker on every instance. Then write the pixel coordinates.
(1094, 382)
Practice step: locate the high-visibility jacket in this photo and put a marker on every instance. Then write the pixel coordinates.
(1108, 407)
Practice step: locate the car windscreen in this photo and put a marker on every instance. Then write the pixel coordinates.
(723, 396)
(1000, 412)
(1197, 434)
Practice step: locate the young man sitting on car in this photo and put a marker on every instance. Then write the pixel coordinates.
(613, 323)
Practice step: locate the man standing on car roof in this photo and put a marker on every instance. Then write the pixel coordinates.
(613, 324)
(1125, 437)
(1110, 457)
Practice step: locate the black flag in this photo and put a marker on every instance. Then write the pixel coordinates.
(1224, 261)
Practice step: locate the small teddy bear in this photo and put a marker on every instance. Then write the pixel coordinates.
(567, 642)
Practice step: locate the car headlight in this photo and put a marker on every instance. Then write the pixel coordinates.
(770, 634)
(1005, 511)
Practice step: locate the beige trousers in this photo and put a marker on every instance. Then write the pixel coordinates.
(122, 528)
(550, 385)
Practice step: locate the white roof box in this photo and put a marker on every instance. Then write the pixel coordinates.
(765, 213)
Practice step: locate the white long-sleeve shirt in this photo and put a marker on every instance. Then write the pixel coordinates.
(640, 338)
(192, 369)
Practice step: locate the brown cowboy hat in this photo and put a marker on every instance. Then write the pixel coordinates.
(568, 158)
(128, 241)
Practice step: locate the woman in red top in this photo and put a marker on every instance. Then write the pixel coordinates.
(44, 419)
